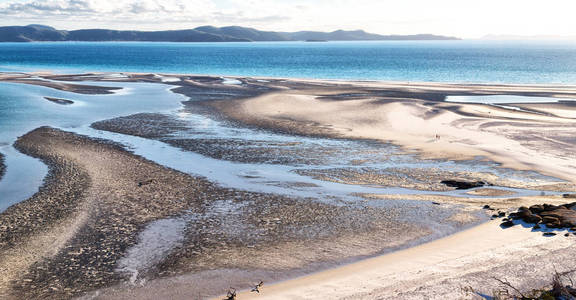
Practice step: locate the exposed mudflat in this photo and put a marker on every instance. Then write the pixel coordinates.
(104, 210)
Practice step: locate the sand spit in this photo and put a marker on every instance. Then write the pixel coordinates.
(80, 231)
(68, 87)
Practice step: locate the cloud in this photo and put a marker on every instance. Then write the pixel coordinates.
(449, 17)
(149, 14)
(112, 10)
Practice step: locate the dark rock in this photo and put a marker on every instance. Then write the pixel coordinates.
(463, 185)
(548, 219)
(486, 207)
(532, 219)
(551, 222)
(569, 196)
(536, 226)
(59, 101)
(549, 234)
(501, 214)
(436, 203)
(507, 224)
(567, 234)
(536, 209)
(523, 214)
(549, 207)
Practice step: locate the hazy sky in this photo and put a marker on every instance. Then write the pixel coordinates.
(462, 18)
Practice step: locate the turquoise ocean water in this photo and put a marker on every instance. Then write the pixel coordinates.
(452, 61)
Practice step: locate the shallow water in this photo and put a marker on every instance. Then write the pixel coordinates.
(281, 179)
(23, 108)
(258, 177)
(24, 177)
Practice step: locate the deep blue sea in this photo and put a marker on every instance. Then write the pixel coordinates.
(447, 61)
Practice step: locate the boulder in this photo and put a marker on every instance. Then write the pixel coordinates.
(551, 222)
(532, 219)
(536, 208)
(463, 185)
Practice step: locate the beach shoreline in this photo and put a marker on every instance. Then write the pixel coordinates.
(465, 265)
(413, 116)
(120, 194)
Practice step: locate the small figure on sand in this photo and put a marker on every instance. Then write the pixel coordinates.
(257, 287)
(437, 137)
(231, 295)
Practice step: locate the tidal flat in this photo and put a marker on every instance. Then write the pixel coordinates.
(216, 182)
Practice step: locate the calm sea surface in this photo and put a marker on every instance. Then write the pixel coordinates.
(453, 61)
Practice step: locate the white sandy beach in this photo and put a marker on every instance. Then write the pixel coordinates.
(516, 139)
(442, 269)
(447, 268)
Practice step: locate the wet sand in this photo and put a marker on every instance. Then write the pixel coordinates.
(72, 236)
(87, 230)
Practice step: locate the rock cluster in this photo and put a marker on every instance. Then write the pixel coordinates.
(553, 216)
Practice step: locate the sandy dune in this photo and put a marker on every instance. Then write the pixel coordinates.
(516, 139)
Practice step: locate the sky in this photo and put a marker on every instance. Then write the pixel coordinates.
(461, 18)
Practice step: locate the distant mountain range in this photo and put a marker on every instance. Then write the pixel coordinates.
(42, 33)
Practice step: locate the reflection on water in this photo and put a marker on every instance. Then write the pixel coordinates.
(24, 177)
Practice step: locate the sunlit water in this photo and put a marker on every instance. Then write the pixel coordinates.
(448, 61)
